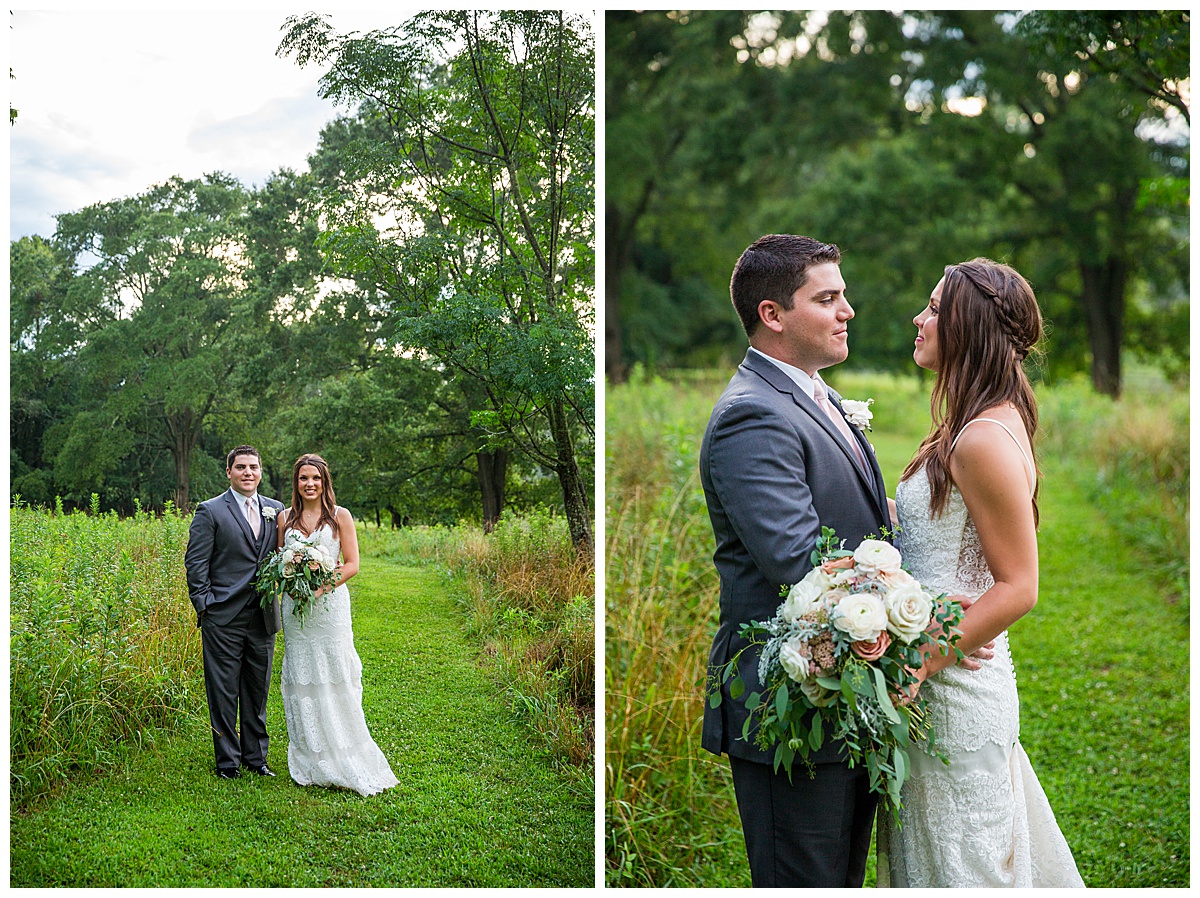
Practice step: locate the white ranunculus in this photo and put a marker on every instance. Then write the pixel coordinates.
(793, 660)
(842, 575)
(877, 556)
(817, 694)
(819, 578)
(908, 610)
(802, 598)
(861, 616)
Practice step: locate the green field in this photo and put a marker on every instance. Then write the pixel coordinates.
(125, 797)
(1102, 661)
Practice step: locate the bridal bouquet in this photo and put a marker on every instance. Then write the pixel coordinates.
(300, 568)
(836, 662)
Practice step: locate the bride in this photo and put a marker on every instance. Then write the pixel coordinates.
(967, 507)
(321, 682)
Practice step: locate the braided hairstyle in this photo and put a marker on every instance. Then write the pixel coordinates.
(988, 323)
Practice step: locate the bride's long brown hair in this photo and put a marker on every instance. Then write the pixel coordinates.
(328, 500)
(988, 322)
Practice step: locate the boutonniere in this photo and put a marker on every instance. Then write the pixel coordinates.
(269, 512)
(858, 412)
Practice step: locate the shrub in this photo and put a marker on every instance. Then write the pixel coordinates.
(103, 643)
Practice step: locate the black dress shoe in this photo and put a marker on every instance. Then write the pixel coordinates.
(228, 773)
(264, 770)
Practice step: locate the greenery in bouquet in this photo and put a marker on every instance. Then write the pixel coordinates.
(300, 568)
(837, 663)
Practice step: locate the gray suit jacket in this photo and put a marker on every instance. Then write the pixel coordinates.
(775, 470)
(223, 557)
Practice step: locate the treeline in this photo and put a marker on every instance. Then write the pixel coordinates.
(416, 306)
(1056, 140)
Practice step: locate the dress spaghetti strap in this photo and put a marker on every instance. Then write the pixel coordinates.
(1020, 448)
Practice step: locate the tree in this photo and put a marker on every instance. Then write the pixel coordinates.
(1148, 49)
(912, 140)
(466, 204)
(170, 271)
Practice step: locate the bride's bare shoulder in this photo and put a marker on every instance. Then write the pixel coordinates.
(984, 453)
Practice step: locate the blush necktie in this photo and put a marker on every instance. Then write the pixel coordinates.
(821, 397)
(252, 518)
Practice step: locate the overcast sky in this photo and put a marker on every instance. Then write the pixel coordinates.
(112, 102)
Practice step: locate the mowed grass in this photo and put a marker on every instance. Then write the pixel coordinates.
(1102, 661)
(477, 804)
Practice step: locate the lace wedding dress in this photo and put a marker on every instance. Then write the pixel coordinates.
(321, 684)
(983, 820)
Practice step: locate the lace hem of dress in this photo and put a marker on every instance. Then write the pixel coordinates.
(988, 828)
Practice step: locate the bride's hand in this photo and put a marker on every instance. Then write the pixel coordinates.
(974, 661)
(909, 695)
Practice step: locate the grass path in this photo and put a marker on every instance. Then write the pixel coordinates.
(478, 804)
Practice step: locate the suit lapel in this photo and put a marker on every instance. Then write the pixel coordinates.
(780, 381)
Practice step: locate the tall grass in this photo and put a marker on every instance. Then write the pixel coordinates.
(105, 654)
(528, 599)
(103, 649)
(1132, 457)
(671, 818)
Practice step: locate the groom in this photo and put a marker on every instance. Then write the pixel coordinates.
(230, 536)
(778, 462)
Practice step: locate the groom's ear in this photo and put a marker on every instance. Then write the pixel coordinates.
(768, 314)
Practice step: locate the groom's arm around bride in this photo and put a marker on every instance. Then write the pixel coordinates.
(776, 465)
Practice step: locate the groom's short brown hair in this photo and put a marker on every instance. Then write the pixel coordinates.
(774, 267)
(241, 450)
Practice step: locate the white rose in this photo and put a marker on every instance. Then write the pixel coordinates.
(817, 694)
(794, 662)
(862, 616)
(858, 412)
(874, 556)
(802, 598)
(908, 610)
(328, 562)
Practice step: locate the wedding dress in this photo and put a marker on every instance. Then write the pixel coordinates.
(321, 684)
(984, 819)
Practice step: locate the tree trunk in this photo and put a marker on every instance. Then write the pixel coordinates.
(183, 439)
(1104, 305)
(491, 475)
(182, 453)
(575, 498)
(616, 263)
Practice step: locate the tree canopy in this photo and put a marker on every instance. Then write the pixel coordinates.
(464, 202)
(417, 306)
(1053, 141)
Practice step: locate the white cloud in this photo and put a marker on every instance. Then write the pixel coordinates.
(112, 102)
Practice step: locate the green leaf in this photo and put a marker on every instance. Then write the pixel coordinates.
(753, 700)
(714, 700)
(816, 736)
(881, 693)
(737, 687)
(900, 762)
(781, 702)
